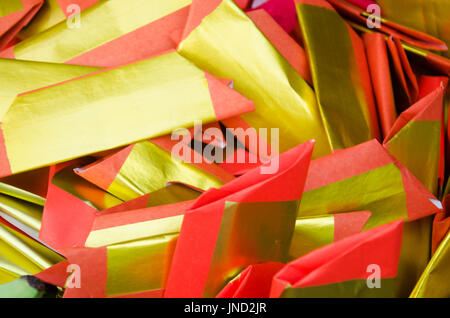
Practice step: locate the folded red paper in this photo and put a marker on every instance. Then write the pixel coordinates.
(246, 221)
(348, 268)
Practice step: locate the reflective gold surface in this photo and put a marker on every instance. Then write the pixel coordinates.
(21, 255)
(10, 6)
(348, 289)
(25, 212)
(432, 283)
(416, 146)
(311, 233)
(134, 231)
(22, 76)
(172, 193)
(139, 254)
(105, 111)
(148, 168)
(414, 255)
(282, 98)
(379, 191)
(335, 73)
(250, 233)
(18, 193)
(140, 265)
(67, 180)
(434, 280)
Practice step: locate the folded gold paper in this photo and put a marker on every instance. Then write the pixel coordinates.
(283, 99)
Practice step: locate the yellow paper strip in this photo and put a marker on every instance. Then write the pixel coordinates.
(104, 111)
(22, 76)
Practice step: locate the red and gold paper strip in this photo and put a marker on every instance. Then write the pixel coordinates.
(285, 44)
(51, 13)
(340, 75)
(342, 269)
(27, 214)
(70, 209)
(365, 178)
(124, 245)
(136, 241)
(415, 139)
(313, 232)
(145, 167)
(20, 193)
(248, 220)
(145, 41)
(133, 21)
(110, 109)
(73, 205)
(22, 76)
(216, 38)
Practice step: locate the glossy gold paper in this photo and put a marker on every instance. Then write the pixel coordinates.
(95, 197)
(337, 82)
(139, 254)
(105, 111)
(172, 193)
(382, 194)
(149, 168)
(10, 6)
(140, 265)
(430, 16)
(22, 76)
(21, 255)
(434, 280)
(349, 289)
(414, 255)
(311, 233)
(21, 194)
(404, 146)
(134, 231)
(282, 98)
(247, 236)
(25, 212)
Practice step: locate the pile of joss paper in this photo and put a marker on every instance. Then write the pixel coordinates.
(110, 188)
